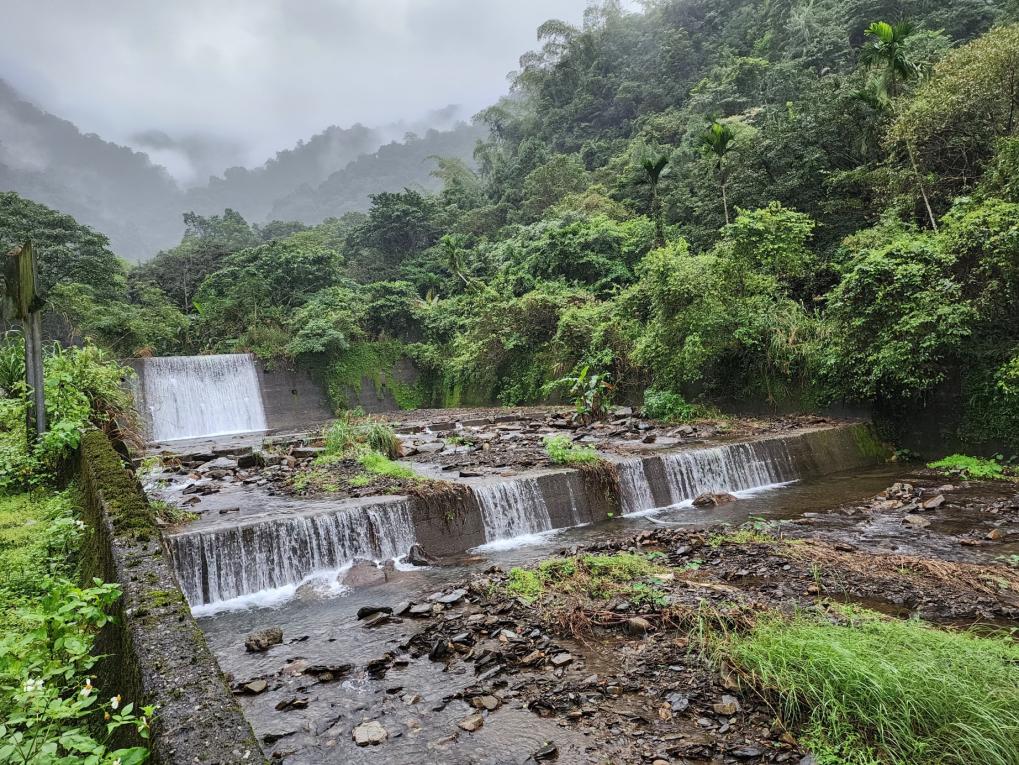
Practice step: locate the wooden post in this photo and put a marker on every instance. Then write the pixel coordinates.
(23, 303)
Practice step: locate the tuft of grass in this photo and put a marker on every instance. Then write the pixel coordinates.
(970, 467)
(601, 577)
(379, 464)
(878, 690)
(671, 407)
(171, 514)
(562, 451)
(349, 434)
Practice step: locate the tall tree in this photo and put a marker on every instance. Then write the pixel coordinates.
(655, 166)
(886, 50)
(717, 140)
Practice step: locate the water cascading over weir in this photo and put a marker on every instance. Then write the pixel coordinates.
(199, 396)
(223, 561)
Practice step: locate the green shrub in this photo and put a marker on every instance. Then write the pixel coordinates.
(877, 690)
(84, 389)
(49, 711)
(969, 467)
(669, 407)
(562, 451)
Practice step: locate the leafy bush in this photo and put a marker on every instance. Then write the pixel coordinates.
(562, 451)
(379, 464)
(635, 577)
(49, 710)
(969, 467)
(669, 407)
(84, 389)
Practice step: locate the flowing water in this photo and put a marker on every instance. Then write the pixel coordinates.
(512, 509)
(272, 557)
(728, 468)
(193, 396)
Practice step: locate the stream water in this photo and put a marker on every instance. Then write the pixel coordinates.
(320, 627)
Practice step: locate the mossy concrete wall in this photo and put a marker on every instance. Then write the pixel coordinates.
(155, 652)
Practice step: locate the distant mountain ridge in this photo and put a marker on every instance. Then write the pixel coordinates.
(139, 206)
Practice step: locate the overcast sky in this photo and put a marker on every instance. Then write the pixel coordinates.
(257, 75)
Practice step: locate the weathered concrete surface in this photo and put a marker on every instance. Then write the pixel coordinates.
(155, 652)
(291, 398)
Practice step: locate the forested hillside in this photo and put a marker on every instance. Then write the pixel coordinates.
(139, 206)
(797, 202)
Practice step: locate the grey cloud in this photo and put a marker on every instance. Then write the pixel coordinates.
(233, 81)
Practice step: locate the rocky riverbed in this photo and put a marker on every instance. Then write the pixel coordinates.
(452, 665)
(440, 446)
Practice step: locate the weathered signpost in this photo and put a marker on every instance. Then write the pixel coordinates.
(23, 303)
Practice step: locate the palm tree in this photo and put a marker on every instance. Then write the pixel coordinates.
(655, 166)
(887, 51)
(453, 248)
(717, 139)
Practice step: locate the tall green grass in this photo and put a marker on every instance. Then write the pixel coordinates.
(348, 434)
(877, 690)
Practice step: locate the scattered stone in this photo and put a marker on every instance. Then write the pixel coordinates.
(292, 703)
(378, 620)
(304, 452)
(933, 503)
(420, 609)
(562, 659)
(255, 687)
(263, 640)
(713, 499)
(917, 521)
(677, 702)
(365, 611)
(995, 535)
(369, 733)
(638, 626)
(401, 608)
(746, 752)
(326, 673)
(450, 598)
(729, 705)
(549, 751)
(488, 702)
(471, 723)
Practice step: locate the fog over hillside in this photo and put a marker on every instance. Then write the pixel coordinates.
(138, 114)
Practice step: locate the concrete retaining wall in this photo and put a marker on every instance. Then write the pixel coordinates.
(156, 654)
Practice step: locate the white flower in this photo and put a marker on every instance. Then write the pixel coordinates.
(87, 690)
(115, 701)
(32, 685)
(116, 762)
(80, 524)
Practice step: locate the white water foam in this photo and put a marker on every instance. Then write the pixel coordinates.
(194, 396)
(277, 555)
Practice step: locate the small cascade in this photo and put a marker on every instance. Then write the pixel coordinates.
(193, 396)
(634, 487)
(512, 509)
(733, 467)
(228, 563)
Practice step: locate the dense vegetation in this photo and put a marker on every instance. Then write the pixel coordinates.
(793, 202)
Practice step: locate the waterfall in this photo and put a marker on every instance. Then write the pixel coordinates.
(728, 468)
(734, 467)
(192, 396)
(512, 508)
(241, 560)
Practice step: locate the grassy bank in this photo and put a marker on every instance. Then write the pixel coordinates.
(870, 690)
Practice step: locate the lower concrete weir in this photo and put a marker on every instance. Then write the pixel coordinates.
(289, 543)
